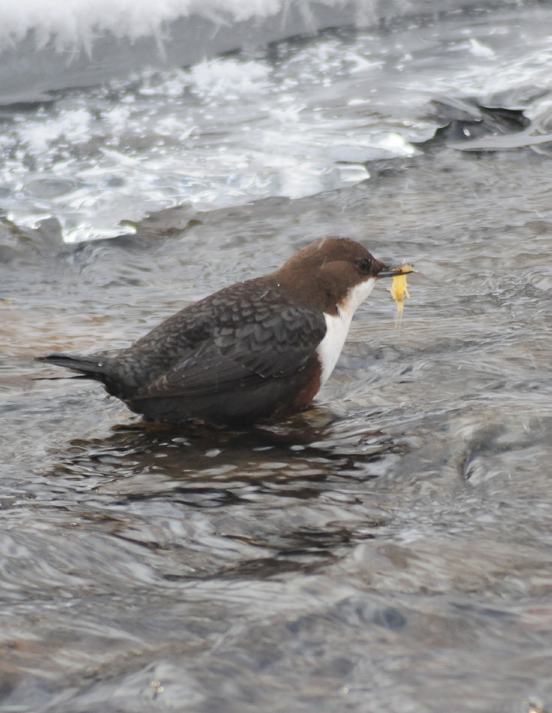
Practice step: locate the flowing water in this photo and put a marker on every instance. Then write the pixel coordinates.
(391, 548)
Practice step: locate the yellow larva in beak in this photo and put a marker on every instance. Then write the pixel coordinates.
(398, 289)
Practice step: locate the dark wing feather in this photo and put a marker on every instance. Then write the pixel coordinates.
(275, 340)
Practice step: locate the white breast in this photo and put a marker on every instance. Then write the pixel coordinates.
(337, 327)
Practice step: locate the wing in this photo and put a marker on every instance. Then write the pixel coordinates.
(276, 339)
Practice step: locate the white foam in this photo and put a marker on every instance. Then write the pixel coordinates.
(224, 77)
(479, 50)
(71, 125)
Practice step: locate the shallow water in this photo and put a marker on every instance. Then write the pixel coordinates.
(388, 550)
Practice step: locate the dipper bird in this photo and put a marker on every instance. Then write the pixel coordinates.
(256, 350)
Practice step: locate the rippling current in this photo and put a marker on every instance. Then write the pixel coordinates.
(391, 548)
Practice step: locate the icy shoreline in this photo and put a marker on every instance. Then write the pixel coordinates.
(86, 43)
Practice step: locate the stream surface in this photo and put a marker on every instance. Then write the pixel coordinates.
(391, 548)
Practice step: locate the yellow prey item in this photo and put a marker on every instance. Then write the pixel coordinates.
(398, 289)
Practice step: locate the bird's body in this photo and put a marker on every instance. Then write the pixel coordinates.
(255, 350)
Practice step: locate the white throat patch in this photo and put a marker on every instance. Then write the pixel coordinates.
(337, 327)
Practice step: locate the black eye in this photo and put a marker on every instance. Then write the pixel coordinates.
(365, 265)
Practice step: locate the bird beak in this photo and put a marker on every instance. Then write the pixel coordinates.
(388, 271)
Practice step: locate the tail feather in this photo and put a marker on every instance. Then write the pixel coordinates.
(92, 367)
